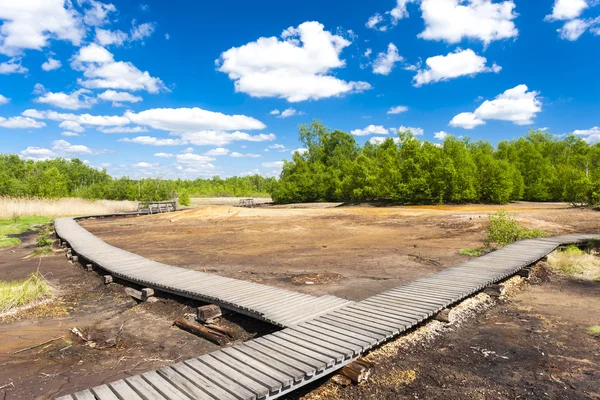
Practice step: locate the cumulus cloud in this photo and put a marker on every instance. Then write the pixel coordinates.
(220, 138)
(219, 151)
(119, 97)
(591, 135)
(62, 147)
(101, 71)
(81, 119)
(573, 29)
(51, 64)
(97, 13)
(455, 20)
(289, 112)
(453, 65)
(152, 141)
(374, 22)
(397, 110)
(377, 140)
(384, 63)
(124, 129)
(74, 101)
(517, 105)
(441, 135)
(273, 164)
(106, 37)
(69, 134)
(12, 66)
(296, 68)
(20, 123)
(4, 100)
(31, 25)
(35, 152)
(400, 12)
(275, 112)
(566, 10)
(300, 151)
(235, 154)
(196, 159)
(370, 130)
(415, 131)
(163, 155)
(72, 126)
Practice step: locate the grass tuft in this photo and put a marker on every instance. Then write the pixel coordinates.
(20, 293)
(504, 230)
(472, 252)
(576, 263)
(594, 331)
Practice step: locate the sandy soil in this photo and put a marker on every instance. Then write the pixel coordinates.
(350, 252)
(129, 338)
(532, 346)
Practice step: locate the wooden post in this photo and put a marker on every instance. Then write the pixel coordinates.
(525, 272)
(89, 267)
(147, 293)
(108, 279)
(443, 316)
(207, 314)
(494, 290)
(358, 370)
(74, 259)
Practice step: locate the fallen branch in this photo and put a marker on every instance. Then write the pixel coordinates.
(37, 345)
(212, 335)
(7, 385)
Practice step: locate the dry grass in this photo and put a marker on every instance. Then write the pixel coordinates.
(576, 263)
(11, 207)
(16, 294)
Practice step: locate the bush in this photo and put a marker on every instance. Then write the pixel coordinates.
(504, 230)
(184, 198)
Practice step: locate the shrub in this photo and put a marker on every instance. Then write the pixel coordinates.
(43, 241)
(184, 198)
(504, 230)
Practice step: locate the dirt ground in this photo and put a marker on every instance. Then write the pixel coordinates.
(350, 252)
(533, 345)
(128, 338)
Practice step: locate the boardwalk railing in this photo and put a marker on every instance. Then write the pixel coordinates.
(275, 364)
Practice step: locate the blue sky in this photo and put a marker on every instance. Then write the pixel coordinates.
(196, 89)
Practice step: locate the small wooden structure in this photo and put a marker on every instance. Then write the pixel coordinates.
(246, 203)
(154, 207)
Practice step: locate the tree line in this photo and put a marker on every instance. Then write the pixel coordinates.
(72, 178)
(536, 167)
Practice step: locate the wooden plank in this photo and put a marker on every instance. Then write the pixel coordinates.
(249, 366)
(103, 392)
(124, 391)
(348, 349)
(200, 381)
(317, 364)
(182, 384)
(84, 395)
(245, 388)
(379, 330)
(143, 388)
(329, 361)
(163, 386)
(343, 330)
(306, 369)
(274, 362)
(329, 334)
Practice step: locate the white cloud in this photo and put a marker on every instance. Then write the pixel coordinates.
(296, 68)
(415, 131)
(191, 119)
(279, 147)
(466, 120)
(20, 123)
(115, 97)
(100, 71)
(274, 164)
(566, 10)
(144, 164)
(62, 147)
(105, 37)
(370, 130)
(517, 105)
(290, 112)
(51, 64)
(163, 155)
(380, 139)
(31, 24)
(72, 126)
(374, 22)
(275, 112)
(97, 13)
(37, 153)
(591, 135)
(152, 141)
(455, 64)
(12, 66)
(188, 150)
(144, 7)
(397, 110)
(167, 36)
(4, 100)
(384, 63)
(74, 101)
(124, 129)
(441, 135)
(400, 12)
(219, 151)
(300, 151)
(368, 53)
(69, 134)
(220, 138)
(573, 29)
(81, 119)
(235, 154)
(196, 159)
(455, 20)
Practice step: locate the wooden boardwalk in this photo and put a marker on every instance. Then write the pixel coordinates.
(280, 307)
(275, 364)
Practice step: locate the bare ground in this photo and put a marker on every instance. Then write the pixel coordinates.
(350, 252)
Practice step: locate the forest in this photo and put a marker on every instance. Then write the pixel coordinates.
(404, 170)
(401, 170)
(72, 178)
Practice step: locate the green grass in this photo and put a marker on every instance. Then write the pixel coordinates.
(472, 252)
(594, 330)
(576, 263)
(19, 293)
(16, 226)
(41, 251)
